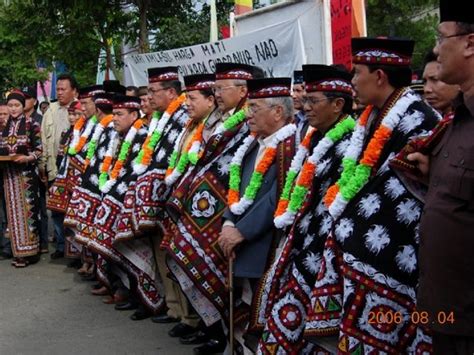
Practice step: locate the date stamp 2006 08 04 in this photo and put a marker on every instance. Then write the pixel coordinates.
(416, 317)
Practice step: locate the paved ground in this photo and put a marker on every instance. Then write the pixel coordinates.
(46, 309)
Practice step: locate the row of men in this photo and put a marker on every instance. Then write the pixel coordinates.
(318, 239)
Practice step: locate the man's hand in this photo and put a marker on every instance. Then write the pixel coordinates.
(22, 159)
(43, 177)
(422, 162)
(230, 237)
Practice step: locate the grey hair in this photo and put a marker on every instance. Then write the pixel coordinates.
(285, 102)
(239, 82)
(464, 27)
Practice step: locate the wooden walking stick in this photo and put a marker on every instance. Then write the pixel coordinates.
(231, 301)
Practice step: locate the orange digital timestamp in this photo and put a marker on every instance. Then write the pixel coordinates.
(390, 317)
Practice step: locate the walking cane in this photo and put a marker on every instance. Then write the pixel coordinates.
(231, 301)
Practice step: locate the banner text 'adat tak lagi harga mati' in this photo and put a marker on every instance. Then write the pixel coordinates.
(277, 49)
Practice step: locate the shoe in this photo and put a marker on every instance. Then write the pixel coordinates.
(103, 291)
(114, 299)
(19, 263)
(44, 251)
(211, 347)
(140, 314)
(181, 330)
(126, 306)
(57, 255)
(196, 338)
(164, 319)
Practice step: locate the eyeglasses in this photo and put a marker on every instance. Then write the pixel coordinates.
(440, 38)
(252, 110)
(312, 100)
(152, 91)
(223, 88)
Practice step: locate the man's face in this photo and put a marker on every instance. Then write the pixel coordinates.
(365, 84)
(261, 117)
(3, 116)
(198, 105)
(64, 92)
(44, 107)
(88, 106)
(15, 108)
(318, 109)
(123, 119)
(298, 93)
(159, 96)
(437, 93)
(451, 49)
(228, 95)
(145, 105)
(30, 104)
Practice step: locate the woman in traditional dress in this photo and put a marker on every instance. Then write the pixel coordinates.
(20, 141)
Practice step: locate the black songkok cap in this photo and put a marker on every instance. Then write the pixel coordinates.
(124, 101)
(268, 87)
(114, 87)
(199, 82)
(236, 71)
(382, 51)
(90, 91)
(298, 77)
(328, 79)
(456, 11)
(162, 74)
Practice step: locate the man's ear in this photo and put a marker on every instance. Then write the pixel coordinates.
(381, 77)
(242, 91)
(338, 105)
(469, 51)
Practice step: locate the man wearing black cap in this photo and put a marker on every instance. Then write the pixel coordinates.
(76, 153)
(286, 312)
(129, 256)
(198, 202)
(375, 216)
(251, 204)
(446, 290)
(97, 133)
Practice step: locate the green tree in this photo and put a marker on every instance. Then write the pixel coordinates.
(404, 18)
(76, 32)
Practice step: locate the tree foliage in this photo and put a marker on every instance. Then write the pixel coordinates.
(407, 19)
(77, 32)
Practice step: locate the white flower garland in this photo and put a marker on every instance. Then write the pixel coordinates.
(282, 134)
(391, 121)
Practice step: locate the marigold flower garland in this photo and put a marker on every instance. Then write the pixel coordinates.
(99, 129)
(106, 183)
(191, 154)
(155, 133)
(230, 123)
(239, 205)
(288, 206)
(78, 139)
(355, 176)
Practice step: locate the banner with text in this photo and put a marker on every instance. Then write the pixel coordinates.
(277, 49)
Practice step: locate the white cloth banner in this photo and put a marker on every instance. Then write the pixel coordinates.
(277, 49)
